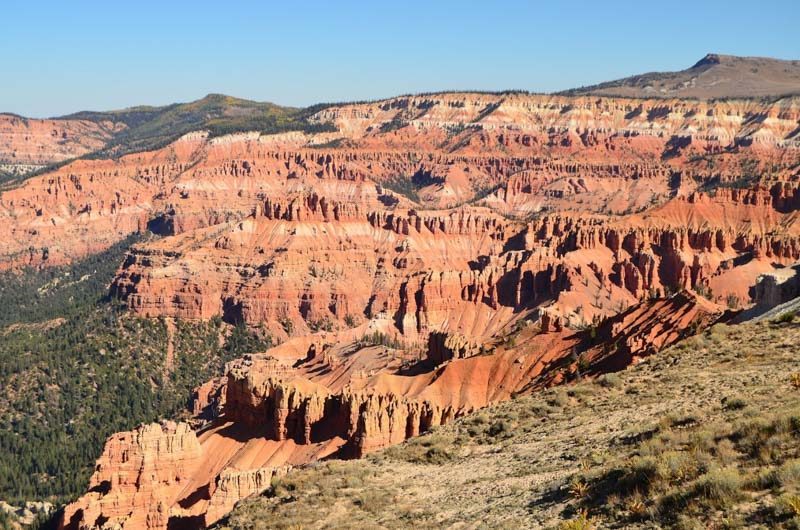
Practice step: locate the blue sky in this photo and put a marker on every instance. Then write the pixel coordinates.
(62, 56)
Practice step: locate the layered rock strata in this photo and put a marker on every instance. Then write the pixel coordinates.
(434, 255)
(28, 144)
(519, 153)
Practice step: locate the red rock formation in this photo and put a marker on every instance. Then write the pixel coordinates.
(523, 153)
(435, 271)
(393, 258)
(28, 144)
(136, 475)
(288, 407)
(443, 347)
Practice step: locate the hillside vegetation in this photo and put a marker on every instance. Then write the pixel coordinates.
(75, 368)
(703, 435)
(154, 127)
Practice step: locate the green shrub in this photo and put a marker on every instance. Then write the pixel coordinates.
(720, 487)
(610, 381)
(438, 455)
(677, 466)
(581, 522)
(287, 325)
(500, 428)
(788, 505)
(788, 475)
(559, 398)
(734, 403)
(639, 475)
(426, 449)
(377, 338)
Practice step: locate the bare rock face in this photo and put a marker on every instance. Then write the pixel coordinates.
(159, 475)
(519, 153)
(29, 144)
(138, 470)
(435, 255)
(290, 406)
(438, 272)
(443, 347)
(777, 288)
(232, 486)
(208, 399)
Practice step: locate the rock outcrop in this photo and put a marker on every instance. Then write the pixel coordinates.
(519, 153)
(153, 477)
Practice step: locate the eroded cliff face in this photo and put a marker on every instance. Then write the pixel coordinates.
(153, 477)
(29, 144)
(435, 255)
(313, 398)
(468, 270)
(522, 154)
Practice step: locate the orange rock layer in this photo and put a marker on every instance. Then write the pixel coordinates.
(28, 144)
(345, 399)
(521, 153)
(393, 259)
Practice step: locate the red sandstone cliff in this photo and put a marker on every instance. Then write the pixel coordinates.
(28, 144)
(346, 399)
(397, 257)
(523, 153)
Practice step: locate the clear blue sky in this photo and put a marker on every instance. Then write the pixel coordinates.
(61, 56)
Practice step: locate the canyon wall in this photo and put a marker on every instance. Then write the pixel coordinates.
(519, 154)
(343, 399)
(27, 144)
(434, 255)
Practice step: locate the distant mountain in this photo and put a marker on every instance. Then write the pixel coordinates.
(713, 76)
